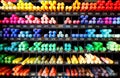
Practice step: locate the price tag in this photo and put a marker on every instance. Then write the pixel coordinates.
(24, 13)
(111, 26)
(90, 26)
(67, 13)
(75, 13)
(82, 26)
(89, 39)
(97, 26)
(90, 13)
(46, 26)
(19, 38)
(5, 38)
(97, 13)
(4, 25)
(96, 39)
(60, 39)
(104, 26)
(46, 13)
(25, 38)
(32, 39)
(39, 26)
(82, 13)
(11, 38)
(60, 26)
(25, 26)
(60, 13)
(112, 14)
(116, 62)
(53, 26)
(9, 13)
(118, 13)
(67, 26)
(18, 26)
(53, 39)
(39, 39)
(75, 39)
(53, 13)
(38, 13)
(46, 39)
(75, 26)
(17, 13)
(81, 39)
(105, 13)
(31, 26)
(11, 25)
(2, 13)
(67, 39)
(31, 13)
(109, 39)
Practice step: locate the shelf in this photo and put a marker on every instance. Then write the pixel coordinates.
(62, 13)
(61, 39)
(116, 63)
(43, 52)
(33, 74)
(61, 26)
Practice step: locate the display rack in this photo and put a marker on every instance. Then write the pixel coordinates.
(60, 26)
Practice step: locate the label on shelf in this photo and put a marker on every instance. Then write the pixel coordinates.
(75, 26)
(67, 39)
(46, 26)
(75, 39)
(53, 39)
(97, 26)
(89, 39)
(112, 26)
(82, 26)
(32, 26)
(53, 13)
(18, 38)
(38, 13)
(118, 13)
(90, 26)
(11, 38)
(60, 13)
(4, 25)
(4, 38)
(39, 39)
(75, 13)
(39, 26)
(32, 38)
(82, 13)
(111, 13)
(60, 26)
(53, 26)
(9, 13)
(3, 13)
(67, 26)
(24, 13)
(104, 26)
(31, 13)
(104, 13)
(18, 26)
(90, 13)
(24, 26)
(67, 13)
(11, 25)
(17, 13)
(82, 39)
(97, 13)
(95, 38)
(46, 39)
(46, 13)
